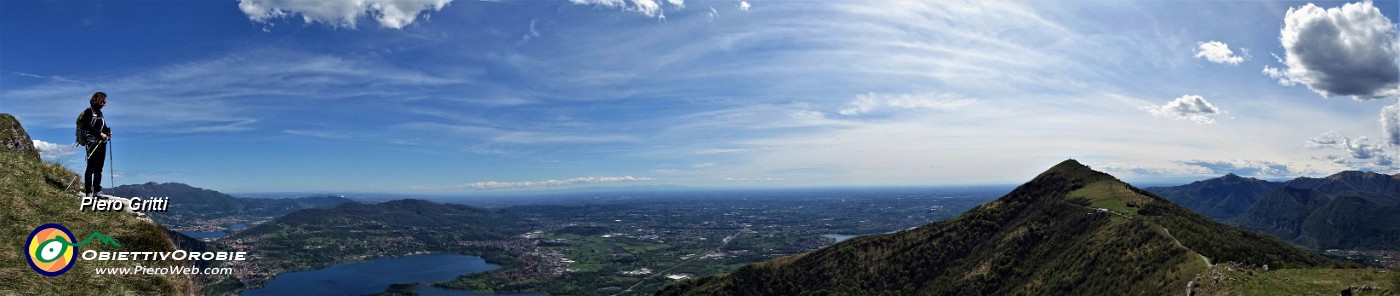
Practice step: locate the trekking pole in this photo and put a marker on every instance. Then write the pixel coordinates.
(111, 165)
(94, 150)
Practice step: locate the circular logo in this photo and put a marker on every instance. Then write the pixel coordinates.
(50, 249)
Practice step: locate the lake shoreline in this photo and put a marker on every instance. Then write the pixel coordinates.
(378, 275)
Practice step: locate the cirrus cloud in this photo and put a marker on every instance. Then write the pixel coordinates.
(872, 102)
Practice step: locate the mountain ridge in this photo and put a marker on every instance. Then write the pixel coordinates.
(1345, 210)
(1220, 198)
(1070, 230)
(192, 207)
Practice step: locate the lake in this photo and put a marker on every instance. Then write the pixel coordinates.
(374, 276)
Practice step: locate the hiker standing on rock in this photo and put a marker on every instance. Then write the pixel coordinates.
(96, 136)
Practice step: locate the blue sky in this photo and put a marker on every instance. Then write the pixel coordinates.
(440, 96)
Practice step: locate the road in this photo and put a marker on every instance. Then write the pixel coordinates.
(1178, 243)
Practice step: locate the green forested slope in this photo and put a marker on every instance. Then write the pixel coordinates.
(1046, 237)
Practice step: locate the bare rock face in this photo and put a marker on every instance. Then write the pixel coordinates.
(14, 138)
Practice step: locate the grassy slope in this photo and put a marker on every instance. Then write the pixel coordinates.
(34, 193)
(1044, 238)
(1238, 280)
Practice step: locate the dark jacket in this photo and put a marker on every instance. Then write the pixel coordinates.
(94, 124)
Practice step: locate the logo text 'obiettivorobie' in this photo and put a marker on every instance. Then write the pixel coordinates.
(50, 251)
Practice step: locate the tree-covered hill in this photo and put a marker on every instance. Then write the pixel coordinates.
(1069, 231)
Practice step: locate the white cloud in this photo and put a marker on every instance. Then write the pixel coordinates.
(1217, 52)
(744, 5)
(29, 75)
(872, 102)
(316, 133)
(753, 179)
(650, 8)
(50, 151)
(757, 117)
(1250, 168)
(721, 150)
(498, 136)
(554, 183)
(1124, 169)
(529, 35)
(1360, 153)
(704, 165)
(1347, 51)
(394, 14)
(1326, 140)
(1390, 123)
(1189, 107)
(1208, 167)
(252, 86)
(1279, 74)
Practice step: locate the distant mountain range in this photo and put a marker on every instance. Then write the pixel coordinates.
(1219, 198)
(468, 222)
(1348, 210)
(191, 205)
(1069, 231)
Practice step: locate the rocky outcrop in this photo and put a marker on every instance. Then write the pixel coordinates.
(14, 138)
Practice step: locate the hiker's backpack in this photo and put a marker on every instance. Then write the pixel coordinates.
(79, 135)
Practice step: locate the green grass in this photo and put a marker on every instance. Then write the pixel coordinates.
(586, 266)
(481, 285)
(590, 253)
(1111, 195)
(35, 193)
(1308, 282)
(643, 248)
(597, 248)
